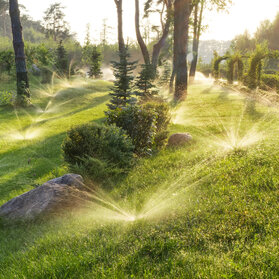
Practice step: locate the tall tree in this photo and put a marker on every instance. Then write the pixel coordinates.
(4, 7)
(123, 70)
(141, 42)
(198, 14)
(165, 27)
(182, 12)
(54, 22)
(198, 7)
(23, 93)
(121, 43)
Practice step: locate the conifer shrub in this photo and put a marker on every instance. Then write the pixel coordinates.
(98, 150)
(145, 83)
(95, 63)
(166, 74)
(61, 64)
(122, 94)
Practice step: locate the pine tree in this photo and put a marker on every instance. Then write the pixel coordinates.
(166, 74)
(61, 59)
(121, 91)
(95, 62)
(144, 83)
(54, 23)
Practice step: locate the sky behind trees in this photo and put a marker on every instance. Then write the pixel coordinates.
(244, 14)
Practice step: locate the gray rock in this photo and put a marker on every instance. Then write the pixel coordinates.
(70, 179)
(48, 198)
(179, 139)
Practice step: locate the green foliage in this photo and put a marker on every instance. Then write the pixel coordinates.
(61, 63)
(270, 81)
(163, 118)
(243, 43)
(6, 98)
(252, 80)
(166, 74)
(6, 60)
(144, 83)
(121, 91)
(219, 209)
(94, 62)
(32, 35)
(30, 54)
(55, 26)
(99, 150)
(216, 64)
(45, 59)
(146, 125)
(235, 59)
(268, 32)
(203, 67)
(139, 123)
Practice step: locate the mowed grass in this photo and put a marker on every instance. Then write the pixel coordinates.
(207, 210)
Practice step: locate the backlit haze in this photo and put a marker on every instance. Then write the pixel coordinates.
(242, 15)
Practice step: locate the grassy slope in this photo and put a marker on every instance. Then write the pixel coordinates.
(211, 209)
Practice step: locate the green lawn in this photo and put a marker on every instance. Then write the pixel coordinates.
(208, 210)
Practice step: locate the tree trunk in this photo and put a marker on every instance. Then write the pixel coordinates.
(173, 73)
(159, 45)
(121, 43)
(182, 12)
(141, 42)
(23, 93)
(196, 40)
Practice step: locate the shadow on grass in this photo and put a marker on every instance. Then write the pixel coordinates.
(251, 110)
(223, 96)
(208, 90)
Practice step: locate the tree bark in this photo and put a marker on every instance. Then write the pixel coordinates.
(23, 93)
(121, 43)
(141, 42)
(173, 73)
(182, 12)
(196, 39)
(159, 45)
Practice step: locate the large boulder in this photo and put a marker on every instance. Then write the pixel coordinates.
(179, 139)
(56, 194)
(70, 179)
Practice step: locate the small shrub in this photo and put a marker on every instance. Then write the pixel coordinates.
(139, 123)
(99, 150)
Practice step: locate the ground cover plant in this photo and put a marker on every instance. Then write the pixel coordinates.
(208, 210)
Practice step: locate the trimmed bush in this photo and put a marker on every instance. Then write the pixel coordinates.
(146, 125)
(139, 123)
(99, 150)
(162, 122)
